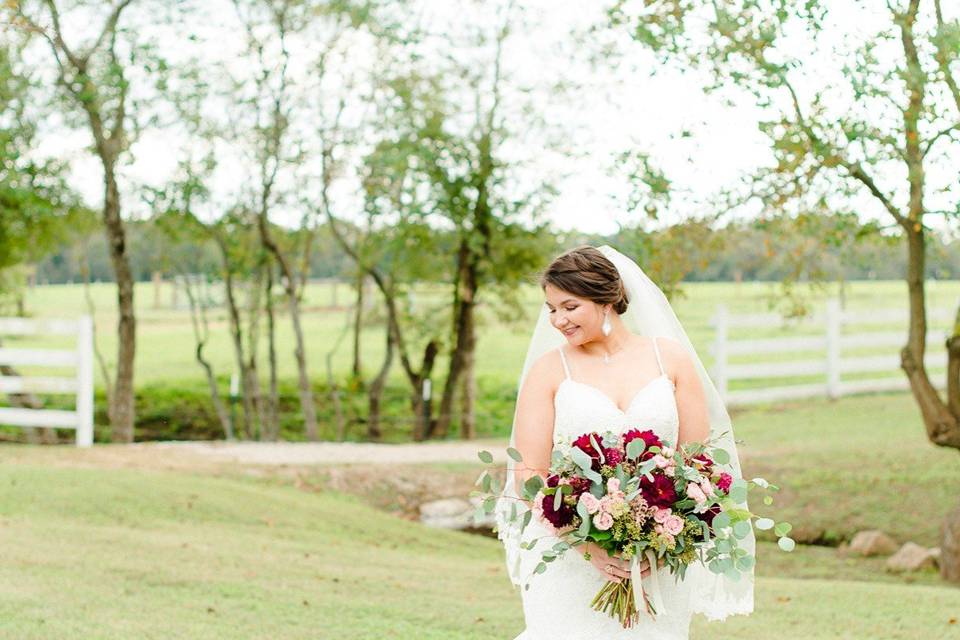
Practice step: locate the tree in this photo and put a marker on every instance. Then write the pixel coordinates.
(93, 77)
(446, 132)
(875, 133)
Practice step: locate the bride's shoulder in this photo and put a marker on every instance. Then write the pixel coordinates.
(546, 371)
(676, 357)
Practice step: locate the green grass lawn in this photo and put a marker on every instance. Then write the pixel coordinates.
(112, 553)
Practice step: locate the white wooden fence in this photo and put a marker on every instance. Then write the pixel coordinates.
(79, 359)
(822, 354)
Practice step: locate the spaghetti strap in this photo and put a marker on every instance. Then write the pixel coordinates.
(563, 359)
(656, 350)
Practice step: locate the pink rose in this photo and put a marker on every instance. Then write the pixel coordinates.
(613, 486)
(673, 525)
(603, 521)
(696, 493)
(661, 461)
(660, 514)
(591, 502)
(667, 452)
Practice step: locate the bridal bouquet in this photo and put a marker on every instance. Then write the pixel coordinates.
(638, 497)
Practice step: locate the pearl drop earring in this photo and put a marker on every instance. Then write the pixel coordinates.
(606, 327)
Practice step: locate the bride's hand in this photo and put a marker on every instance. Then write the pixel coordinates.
(613, 568)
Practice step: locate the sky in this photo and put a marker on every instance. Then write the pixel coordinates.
(622, 106)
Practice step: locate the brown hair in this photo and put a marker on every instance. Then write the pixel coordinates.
(587, 273)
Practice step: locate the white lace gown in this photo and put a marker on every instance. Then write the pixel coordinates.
(557, 604)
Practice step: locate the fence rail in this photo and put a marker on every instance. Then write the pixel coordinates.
(822, 354)
(80, 384)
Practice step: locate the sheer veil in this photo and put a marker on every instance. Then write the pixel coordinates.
(649, 314)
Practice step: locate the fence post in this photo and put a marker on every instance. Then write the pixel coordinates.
(720, 323)
(834, 322)
(85, 382)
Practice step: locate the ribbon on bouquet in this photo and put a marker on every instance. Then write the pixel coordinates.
(652, 581)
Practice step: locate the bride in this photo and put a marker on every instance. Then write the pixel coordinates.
(608, 353)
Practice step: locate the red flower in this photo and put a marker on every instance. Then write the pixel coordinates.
(708, 515)
(583, 443)
(650, 439)
(724, 482)
(704, 460)
(613, 456)
(562, 516)
(580, 485)
(660, 492)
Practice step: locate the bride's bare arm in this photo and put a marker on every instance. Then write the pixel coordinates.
(691, 399)
(533, 430)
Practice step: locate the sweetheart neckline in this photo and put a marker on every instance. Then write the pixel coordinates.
(611, 400)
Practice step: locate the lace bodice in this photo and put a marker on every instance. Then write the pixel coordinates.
(580, 407)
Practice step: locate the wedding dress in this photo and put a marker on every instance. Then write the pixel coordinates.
(557, 604)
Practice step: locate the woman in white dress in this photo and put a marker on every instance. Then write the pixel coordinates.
(602, 376)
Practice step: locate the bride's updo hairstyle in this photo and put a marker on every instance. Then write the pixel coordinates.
(587, 273)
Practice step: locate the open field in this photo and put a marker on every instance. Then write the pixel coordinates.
(165, 351)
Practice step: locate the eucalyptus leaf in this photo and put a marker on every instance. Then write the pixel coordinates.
(787, 544)
(720, 456)
(513, 453)
(764, 523)
(741, 529)
(783, 528)
(485, 456)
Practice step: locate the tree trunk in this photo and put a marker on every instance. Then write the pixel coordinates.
(950, 547)
(271, 429)
(358, 325)
(421, 406)
(121, 409)
(290, 285)
(468, 397)
(375, 393)
(236, 333)
(198, 319)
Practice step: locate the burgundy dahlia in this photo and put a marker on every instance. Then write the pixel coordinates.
(660, 492)
(583, 443)
(649, 438)
(562, 516)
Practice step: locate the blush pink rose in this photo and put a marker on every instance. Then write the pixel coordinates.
(603, 521)
(696, 493)
(613, 486)
(660, 514)
(661, 461)
(591, 502)
(673, 525)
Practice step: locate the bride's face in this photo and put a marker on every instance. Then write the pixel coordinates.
(578, 319)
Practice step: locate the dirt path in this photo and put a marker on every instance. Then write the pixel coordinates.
(324, 453)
